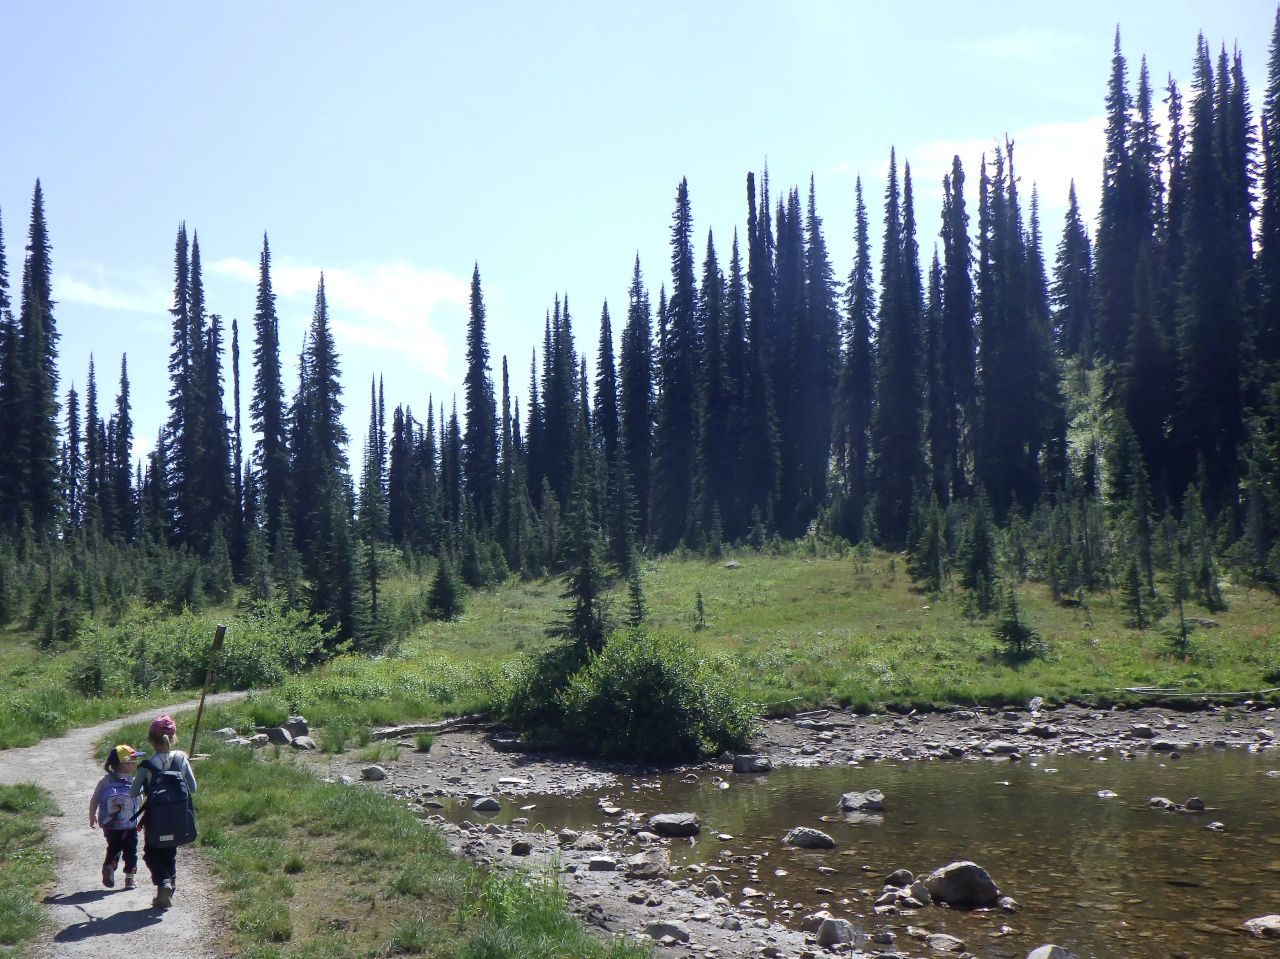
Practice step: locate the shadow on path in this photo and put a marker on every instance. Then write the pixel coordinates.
(78, 898)
(121, 923)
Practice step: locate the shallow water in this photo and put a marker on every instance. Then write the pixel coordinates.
(1105, 878)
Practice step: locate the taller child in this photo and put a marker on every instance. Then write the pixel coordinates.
(162, 863)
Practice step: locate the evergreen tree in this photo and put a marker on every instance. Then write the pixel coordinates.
(897, 427)
(857, 383)
(674, 438)
(480, 443)
(1072, 294)
(760, 455)
(122, 495)
(1268, 325)
(73, 464)
(444, 600)
(956, 375)
(267, 407)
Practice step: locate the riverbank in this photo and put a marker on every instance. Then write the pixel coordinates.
(721, 905)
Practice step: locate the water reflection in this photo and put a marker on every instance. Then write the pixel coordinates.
(1103, 876)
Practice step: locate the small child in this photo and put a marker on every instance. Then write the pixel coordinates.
(112, 806)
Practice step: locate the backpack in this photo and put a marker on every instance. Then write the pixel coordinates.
(115, 805)
(170, 817)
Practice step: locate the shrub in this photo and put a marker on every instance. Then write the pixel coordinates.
(263, 646)
(651, 698)
(424, 741)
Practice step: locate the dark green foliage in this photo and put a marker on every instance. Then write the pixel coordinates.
(977, 560)
(636, 398)
(267, 407)
(480, 443)
(652, 699)
(444, 600)
(927, 552)
(1019, 641)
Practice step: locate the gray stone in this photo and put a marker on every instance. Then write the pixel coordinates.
(803, 837)
(941, 942)
(651, 864)
(872, 800)
(297, 726)
(1008, 904)
(1050, 952)
(731, 923)
(814, 920)
(675, 824)
(224, 734)
(920, 892)
(373, 774)
(963, 884)
(1264, 927)
(1000, 747)
(674, 928)
(1194, 804)
(1161, 803)
(713, 886)
(486, 804)
(237, 741)
(899, 878)
(279, 736)
(521, 847)
(567, 837)
(1107, 794)
(602, 864)
(589, 842)
(1166, 746)
(751, 763)
(1216, 827)
(345, 780)
(303, 742)
(834, 932)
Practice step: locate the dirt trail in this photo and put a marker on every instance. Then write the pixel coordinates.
(89, 921)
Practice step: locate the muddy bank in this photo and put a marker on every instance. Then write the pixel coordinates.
(715, 903)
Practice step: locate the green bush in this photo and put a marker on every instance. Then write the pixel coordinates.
(650, 698)
(263, 646)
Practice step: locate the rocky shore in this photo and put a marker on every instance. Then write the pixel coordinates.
(618, 874)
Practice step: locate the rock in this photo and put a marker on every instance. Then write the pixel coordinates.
(1000, 747)
(297, 726)
(1050, 952)
(751, 763)
(814, 920)
(802, 837)
(1194, 804)
(1166, 746)
(602, 864)
(834, 932)
(883, 937)
(1142, 731)
(1034, 705)
(345, 780)
(714, 887)
(899, 878)
(919, 892)
(731, 923)
(870, 801)
(1203, 622)
(567, 837)
(521, 847)
(677, 824)
(964, 884)
(589, 842)
(225, 733)
(279, 736)
(1008, 904)
(1264, 927)
(651, 864)
(1160, 802)
(1216, 827)
(486, 804)
(303, 742)
(373, 774)
(941, 942)
(674, 928)
(1107, 794)
(733, 564)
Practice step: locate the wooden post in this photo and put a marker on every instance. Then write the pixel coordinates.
(218, 634)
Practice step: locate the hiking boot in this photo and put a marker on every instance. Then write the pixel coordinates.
(130, 881)
(109, 875)
(164, 895)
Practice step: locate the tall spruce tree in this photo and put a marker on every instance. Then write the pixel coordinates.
(267, 407)
(761, 447)
(956, 373)
(857, 382)
(636, 397)
(1072, 293)
(480, 443)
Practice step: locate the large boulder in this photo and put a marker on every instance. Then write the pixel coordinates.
(279, 736)
(677, 824)
(751, 763)
(297, 726)
(650, 864)
(870, 801)
(1264, 927)
(803, 837)
(834, 932)
(675, 929)
(373, 774)
(963, 884)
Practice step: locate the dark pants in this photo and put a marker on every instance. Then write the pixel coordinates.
(122, 842)
(163, 864)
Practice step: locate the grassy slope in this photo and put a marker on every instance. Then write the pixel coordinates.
(25, 863)
(316, 870)
(815, 629)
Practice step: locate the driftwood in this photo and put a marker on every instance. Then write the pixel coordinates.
(443, 726)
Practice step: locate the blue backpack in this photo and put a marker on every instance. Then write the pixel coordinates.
(169, 815)
(115, 805)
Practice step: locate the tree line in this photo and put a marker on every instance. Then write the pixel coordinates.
(1089, 399)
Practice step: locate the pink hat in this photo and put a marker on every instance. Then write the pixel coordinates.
(163, 726)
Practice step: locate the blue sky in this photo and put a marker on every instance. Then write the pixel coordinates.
(393, 145)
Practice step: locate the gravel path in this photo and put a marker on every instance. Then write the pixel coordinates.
(87, 919)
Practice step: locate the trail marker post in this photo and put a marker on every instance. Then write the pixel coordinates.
(218, 635)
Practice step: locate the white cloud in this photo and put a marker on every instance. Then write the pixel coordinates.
(382, 306)
(108, 290)
(1049, 155)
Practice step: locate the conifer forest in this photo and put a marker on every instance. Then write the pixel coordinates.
(1106, 400)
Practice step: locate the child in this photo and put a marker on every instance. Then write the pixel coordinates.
(112, 804)
(162, 863)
